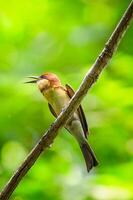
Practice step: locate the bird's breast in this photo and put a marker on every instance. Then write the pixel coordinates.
(58, 98)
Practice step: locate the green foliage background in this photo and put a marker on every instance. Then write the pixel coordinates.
(65, 37)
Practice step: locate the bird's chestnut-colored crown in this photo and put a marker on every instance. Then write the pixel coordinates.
(52, 78)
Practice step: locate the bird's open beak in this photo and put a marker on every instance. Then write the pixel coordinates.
(35, 79)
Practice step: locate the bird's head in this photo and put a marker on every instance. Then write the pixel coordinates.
(45, 81)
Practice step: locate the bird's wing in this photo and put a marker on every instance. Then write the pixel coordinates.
(80, 111)
(52, 110)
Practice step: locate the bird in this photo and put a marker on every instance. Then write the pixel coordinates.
(58, 97)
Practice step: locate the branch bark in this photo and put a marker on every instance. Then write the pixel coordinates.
(90, 78)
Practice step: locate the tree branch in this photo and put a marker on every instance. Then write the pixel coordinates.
(89, 79)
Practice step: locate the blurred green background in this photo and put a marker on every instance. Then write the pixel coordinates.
(65, 37)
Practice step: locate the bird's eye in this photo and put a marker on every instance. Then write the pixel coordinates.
(43, 77)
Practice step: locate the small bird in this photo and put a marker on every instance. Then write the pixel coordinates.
(58, 97)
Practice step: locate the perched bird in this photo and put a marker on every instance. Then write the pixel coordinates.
(58, 97)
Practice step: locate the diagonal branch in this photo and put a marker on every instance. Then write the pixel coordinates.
(89, 79)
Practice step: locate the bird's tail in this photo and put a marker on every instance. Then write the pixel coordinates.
(89, 156)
